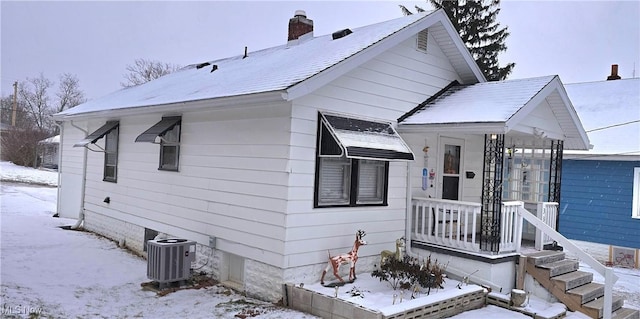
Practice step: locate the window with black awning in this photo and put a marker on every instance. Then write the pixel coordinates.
(363, 139)
(97, 134)
(159, 129)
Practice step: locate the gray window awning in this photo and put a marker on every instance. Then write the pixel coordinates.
(364, 139)
(98, 134)
(158, 129)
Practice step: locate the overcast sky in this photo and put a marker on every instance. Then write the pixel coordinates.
(578, 40)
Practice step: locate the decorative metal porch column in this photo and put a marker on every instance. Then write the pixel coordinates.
(555, 174)
(555, 171)
(491, 192)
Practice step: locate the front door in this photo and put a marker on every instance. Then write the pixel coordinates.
(450, 167)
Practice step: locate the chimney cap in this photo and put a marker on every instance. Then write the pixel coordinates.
(300, 13)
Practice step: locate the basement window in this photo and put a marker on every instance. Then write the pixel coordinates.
(167, 134)
(422, 40)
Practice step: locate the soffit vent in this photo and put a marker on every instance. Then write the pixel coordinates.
(421, 43)
(341, 34)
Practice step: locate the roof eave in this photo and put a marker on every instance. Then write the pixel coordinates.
(182, 107)
(458, 127)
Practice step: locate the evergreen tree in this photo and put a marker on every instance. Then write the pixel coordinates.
(476, 23)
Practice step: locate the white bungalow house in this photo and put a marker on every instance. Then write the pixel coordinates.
(271, 159)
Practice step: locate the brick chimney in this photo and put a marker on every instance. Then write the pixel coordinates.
(299, 25)
(614, 73)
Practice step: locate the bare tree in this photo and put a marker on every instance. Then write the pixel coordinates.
(22, 116)
(69, 93)
(19, 144)
(33, 93)
(143, 71)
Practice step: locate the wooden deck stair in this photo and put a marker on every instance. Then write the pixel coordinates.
(572, 287)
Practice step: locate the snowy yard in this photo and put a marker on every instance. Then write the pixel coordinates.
(58, 273)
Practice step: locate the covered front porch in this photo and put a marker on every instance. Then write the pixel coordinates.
(488, 148)
(489, 178)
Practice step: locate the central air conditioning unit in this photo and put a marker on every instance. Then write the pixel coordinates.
(169, 260)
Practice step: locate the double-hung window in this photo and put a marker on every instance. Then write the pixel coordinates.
(352, 162)
(167, 134)
(111, 156)
(110, 132)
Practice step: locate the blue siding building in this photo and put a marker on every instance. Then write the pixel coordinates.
(596, 202)
(600, 190)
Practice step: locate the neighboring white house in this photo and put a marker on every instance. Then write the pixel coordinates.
(271, 160)
(47, 150)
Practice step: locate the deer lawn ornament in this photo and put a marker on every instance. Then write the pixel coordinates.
(398, 255)
(349, 258)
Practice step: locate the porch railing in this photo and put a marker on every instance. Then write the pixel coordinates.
(548, 213)
(455, 224)
(448, 223)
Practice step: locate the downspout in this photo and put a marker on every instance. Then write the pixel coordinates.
(59, 167)
(409, 208)
(84, 180)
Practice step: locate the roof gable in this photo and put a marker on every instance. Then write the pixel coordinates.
(524, 106)
(292, 69)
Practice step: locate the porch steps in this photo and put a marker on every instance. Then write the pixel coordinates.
(572, 287)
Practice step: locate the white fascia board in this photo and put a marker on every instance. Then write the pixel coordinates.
(574, 116)
(466, 55)
(468, 128)
(325, 76)
(554, 85)
(184, 107)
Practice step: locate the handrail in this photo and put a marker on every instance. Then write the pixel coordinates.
(606, 272)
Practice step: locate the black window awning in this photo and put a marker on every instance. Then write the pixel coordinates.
(98, 134)
(158, 129)
(363, 139)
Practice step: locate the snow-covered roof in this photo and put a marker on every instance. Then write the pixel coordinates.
(482, 102)
(610, 114)
(282, 68)
(504, 107)
(51, 140)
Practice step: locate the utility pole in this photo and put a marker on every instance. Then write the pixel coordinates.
(15, 103)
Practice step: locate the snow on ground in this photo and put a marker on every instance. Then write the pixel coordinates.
(72, 274)
(10, 172)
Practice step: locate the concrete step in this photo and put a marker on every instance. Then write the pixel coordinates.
(598, 305)
(573, 279)
(544, 257)
(626, 313)
(561, 267)
(587, 292)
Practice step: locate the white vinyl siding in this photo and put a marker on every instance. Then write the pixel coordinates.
(231, 184)
(70, 170)
(384, 88)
